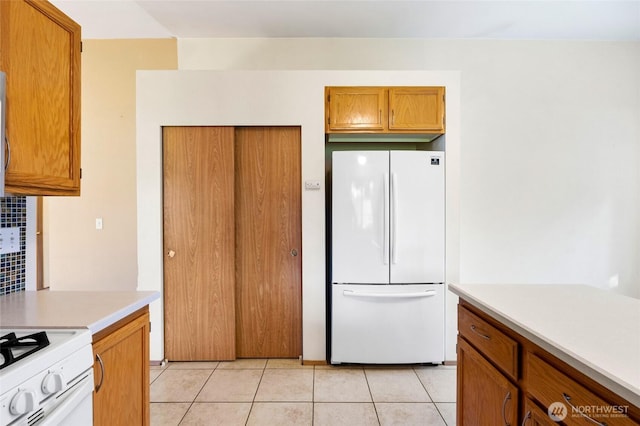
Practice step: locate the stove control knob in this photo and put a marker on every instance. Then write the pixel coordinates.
(23, 402)
(52, 383)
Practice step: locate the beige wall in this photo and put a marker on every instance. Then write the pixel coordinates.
(79, 257)
(269, 98)
(550, 145)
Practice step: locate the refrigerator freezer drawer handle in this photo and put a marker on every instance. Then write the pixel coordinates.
(427, 293)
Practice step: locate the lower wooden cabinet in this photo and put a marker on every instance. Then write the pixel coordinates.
(121, 371)
(485, 396)
(505, 379)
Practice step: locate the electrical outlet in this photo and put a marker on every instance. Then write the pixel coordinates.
(9, 240)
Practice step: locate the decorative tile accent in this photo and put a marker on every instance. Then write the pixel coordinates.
(13, 213)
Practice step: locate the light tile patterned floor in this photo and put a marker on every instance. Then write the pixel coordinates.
(283, 392)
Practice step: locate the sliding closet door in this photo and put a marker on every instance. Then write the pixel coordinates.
(199, 264)
(268, 242)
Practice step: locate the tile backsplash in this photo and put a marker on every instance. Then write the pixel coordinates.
(13, 213)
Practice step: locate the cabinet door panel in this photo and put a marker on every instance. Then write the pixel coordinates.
(416, 108)
(122, 375)
(485, 397)
(357, 108)
(41, 56)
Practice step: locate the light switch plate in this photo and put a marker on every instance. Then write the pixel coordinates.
(311, 185)
(9, 240)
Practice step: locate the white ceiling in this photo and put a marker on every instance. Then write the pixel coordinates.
(432, 19)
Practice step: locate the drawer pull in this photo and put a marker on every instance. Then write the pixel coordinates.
(526, 417)
(504, 407)
(567, 398)
(475, 330)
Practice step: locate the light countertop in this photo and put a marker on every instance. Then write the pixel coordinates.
(94, 310)
(594, 330)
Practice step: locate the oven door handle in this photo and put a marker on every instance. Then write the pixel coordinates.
(77, 394)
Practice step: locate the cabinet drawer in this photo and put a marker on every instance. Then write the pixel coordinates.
(548, 385)
(495, 345)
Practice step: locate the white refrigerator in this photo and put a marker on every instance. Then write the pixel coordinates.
(387, 258)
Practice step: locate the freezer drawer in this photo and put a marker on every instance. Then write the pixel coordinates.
(390, 324)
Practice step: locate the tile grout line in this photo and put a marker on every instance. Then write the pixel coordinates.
(198, 393)
(253, 401)
(435, 405)
(313, 396)
(375, 407)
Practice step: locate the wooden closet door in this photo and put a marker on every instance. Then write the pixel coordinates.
(268, 242)
(199, 301)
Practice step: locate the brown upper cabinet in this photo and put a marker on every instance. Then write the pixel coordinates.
(40, 54)
(385, 110)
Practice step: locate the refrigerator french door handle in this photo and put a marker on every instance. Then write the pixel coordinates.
(385, 220)
(415, 295)
(394, 220)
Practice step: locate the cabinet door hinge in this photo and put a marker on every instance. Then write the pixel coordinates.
(80, 172)
(149, 326)
(81, 47)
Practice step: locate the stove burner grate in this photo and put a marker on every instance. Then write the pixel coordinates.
(13, 348)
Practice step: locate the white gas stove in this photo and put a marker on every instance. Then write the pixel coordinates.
(46, 377)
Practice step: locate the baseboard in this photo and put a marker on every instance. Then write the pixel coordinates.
(314, 362)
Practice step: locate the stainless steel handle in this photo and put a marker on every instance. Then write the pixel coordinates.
(504, 408)
(567, 398)
(101, 372)
(294, 252)
(8, 160)
(526, 417)
(475, 330)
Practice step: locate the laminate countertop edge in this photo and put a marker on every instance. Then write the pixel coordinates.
(555, 330)
(94, 310)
